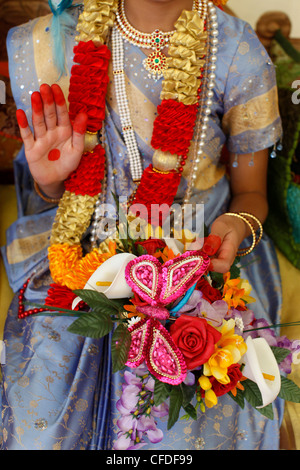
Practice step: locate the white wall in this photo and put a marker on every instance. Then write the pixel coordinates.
(251, 10)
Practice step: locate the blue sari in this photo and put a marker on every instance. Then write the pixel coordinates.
(58, 389)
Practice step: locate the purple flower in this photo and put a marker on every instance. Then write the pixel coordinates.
(130, 396)
(160, 410)
(266, 333)
(137, 410)
(294, 347)
(124, 442)
(197, 306)
(190, 378)
(242, 318)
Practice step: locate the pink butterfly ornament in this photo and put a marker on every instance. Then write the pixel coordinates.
(159, 285)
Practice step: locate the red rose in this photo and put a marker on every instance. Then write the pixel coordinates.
(209, 293)
(235, 375)
(195, 338)
(152, 244)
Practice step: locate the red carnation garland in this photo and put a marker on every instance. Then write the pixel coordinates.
(87, 93)
(157, 189)
(174, 127)
(88, 83)
(86, 179)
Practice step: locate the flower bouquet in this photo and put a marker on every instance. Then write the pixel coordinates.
(183, 335)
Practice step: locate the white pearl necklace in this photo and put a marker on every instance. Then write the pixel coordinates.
(135, 160)
(206, 100)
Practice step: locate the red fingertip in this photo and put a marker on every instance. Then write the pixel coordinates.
(211, 244)
(59, 97)
(47, 94)
(36, 102)
(80, 123)
(21, 118)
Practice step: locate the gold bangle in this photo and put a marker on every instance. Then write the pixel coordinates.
(43, 196)
(258, 222)
(245, 251)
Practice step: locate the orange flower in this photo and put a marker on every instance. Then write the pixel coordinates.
(165, 255)
(238, 386)
(236, 291)
(88, 265)
(62, 259)
(68, 268)
(133, 311)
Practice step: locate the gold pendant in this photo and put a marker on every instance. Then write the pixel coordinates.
(155, 63)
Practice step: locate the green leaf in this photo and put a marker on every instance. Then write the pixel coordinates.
(217, 279)
(120, 345)
(235, 270)
(98, 301)
(191, 411)
(289, 390)
(161, 392)
(280, 353)
(253, 396)
(92, 325)
(141, 250)
(188, 392)
(239, 398)
(267, 411)
(176, 400)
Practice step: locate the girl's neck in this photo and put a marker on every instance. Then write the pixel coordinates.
(149, 15)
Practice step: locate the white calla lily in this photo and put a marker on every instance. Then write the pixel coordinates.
(261, 367)
(109, 278)
(175, 245)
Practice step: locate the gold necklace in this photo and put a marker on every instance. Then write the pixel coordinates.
(155, 63)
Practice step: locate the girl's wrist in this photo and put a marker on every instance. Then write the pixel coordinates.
(49, 193)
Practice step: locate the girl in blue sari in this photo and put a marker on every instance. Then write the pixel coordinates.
(58, 389)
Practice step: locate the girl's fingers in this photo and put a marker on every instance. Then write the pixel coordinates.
(25, 131)
(79, 129)
(38, 120)
(61, 106)
(212, 244)
(50, 115)
(223, 262)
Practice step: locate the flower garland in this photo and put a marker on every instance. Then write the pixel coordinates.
(88, 86)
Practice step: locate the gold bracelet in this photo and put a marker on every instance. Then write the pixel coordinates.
(43, 196)
(245, 251)
(260, 227)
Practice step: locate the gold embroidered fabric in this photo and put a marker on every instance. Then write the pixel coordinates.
(257, 113)
(20, 249)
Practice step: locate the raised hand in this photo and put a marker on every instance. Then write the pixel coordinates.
(55, 147)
